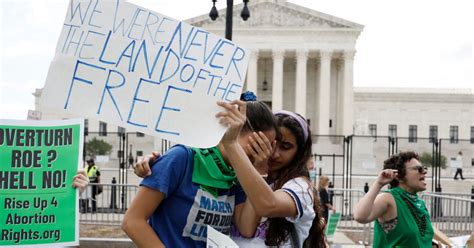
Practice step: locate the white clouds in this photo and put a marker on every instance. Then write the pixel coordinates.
(30, 30)
(423, 43)
(38, 18)
(17, 110)
(29, 85)
(27, 48)
(460, 52)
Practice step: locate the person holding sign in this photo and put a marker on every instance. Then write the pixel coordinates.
(291, 203)
(80, 181)
(191, 188)
(286, 167)
(40, 181)
(401, 217)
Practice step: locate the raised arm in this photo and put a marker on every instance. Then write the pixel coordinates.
(135, 221)
(373, 205)
(265, 202)
(246, 219)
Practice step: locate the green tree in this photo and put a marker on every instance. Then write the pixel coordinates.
(426, 159)
(95, 147)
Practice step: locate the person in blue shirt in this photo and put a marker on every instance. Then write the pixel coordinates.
(190, 188)
(293, 208)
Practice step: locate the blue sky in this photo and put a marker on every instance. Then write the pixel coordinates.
(405, 43)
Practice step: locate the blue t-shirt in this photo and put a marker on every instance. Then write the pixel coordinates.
(182, 217)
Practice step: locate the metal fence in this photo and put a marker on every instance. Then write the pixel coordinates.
(114, 200)
(455, 194)
(344, 200)
(453, 215)
(111, 204)
(351, 161)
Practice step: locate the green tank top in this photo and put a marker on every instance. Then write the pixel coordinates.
(413, 226)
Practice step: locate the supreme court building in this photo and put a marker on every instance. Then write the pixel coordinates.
(302, 60)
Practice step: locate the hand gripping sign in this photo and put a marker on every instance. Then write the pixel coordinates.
(38, 161)
(133, 67)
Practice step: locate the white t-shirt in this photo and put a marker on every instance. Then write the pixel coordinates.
(459, 162)
(301, 192)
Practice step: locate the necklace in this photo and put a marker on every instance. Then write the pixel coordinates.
(420, 220)
(415, 207)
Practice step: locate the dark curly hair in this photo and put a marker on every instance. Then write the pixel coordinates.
(279, 228)
(397, 162)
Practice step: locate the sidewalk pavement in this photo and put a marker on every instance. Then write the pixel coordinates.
(341, 240)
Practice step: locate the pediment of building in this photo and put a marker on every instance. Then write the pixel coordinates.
(276, 14)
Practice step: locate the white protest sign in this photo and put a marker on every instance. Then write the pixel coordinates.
(216, 239)
(132, 67)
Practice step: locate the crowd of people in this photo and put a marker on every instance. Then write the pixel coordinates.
(255, 187)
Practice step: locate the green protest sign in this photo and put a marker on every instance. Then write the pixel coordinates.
(333, 219)
(38, 161)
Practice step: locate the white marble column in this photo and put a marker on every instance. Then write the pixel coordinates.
(277, 88)
(252, 72)
(348, 93)
(300, 96)
(324, 92)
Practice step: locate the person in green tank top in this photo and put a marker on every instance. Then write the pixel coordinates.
(401, 218)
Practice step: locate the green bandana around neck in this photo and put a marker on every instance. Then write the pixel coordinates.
(416, 208)
(211, 172)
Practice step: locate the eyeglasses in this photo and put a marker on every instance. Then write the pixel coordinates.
(419, 168)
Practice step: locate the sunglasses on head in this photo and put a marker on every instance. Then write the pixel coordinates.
(419, 168)
(250, 125)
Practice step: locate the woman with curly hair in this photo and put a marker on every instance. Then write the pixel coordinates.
(401, 217)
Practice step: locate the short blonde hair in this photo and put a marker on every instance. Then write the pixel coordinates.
(323, 181)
